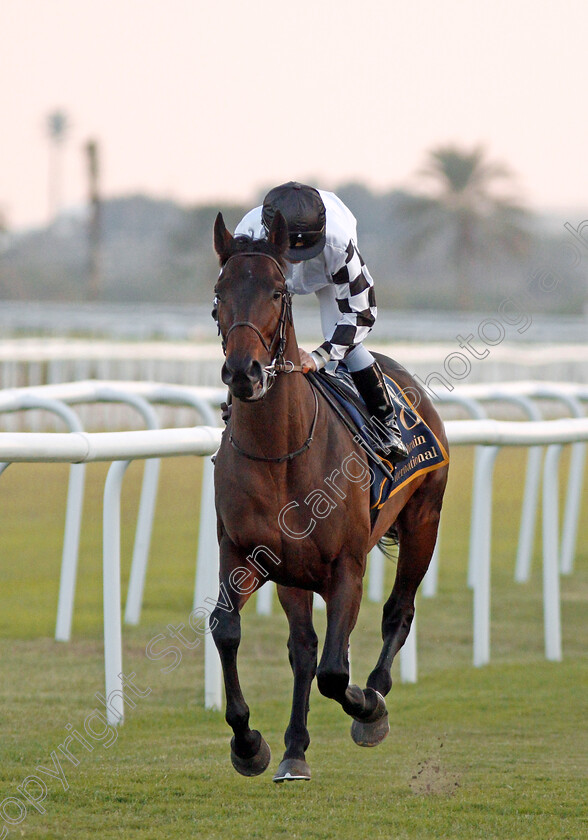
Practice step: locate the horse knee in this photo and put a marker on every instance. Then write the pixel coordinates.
(303, 648)
(395, 617)
(226, 629)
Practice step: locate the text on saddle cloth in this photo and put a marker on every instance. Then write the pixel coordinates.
(426, 452)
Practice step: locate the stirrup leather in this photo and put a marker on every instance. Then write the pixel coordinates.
(372, 387)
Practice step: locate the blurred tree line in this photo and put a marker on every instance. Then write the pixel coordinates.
(457, 244)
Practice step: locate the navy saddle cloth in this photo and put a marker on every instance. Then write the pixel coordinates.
(426, 453)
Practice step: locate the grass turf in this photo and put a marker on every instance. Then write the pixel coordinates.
(496, 752)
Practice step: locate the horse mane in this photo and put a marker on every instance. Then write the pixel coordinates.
(243, 244)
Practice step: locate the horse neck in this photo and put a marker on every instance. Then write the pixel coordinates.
(281, 420)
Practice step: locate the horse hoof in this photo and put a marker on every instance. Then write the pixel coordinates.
(256, 764)
(372, 730)
(293, 770)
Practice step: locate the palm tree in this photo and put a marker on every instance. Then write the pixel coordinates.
(466, 213)
(57, 125)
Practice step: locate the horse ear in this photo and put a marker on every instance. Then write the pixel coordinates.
(278, 233)
(223, 241)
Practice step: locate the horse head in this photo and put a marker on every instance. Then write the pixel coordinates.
(252, 306)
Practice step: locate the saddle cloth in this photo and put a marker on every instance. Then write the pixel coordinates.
(426, 453)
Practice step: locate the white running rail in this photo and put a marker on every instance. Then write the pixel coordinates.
(81, 447)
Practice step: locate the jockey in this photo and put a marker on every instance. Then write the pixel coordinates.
(323, 258)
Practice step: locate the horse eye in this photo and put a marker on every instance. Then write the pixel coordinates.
(277, 295)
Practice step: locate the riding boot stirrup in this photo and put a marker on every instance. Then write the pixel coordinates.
(372, 388)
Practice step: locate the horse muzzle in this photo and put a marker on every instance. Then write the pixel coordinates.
(246, 381)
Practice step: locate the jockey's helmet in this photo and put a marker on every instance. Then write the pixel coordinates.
(304, 211)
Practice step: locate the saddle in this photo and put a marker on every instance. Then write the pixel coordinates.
(426, 453)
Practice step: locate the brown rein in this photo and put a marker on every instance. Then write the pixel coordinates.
(291, 455)
(278, 363)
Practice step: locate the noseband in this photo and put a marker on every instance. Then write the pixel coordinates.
(278, 364)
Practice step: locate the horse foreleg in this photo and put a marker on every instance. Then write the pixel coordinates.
(250, 753)
(417, 532)
(302, 652)
(367, 706)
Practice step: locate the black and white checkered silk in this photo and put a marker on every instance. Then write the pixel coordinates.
(356, 301)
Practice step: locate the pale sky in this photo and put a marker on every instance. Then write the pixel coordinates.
(198, 101)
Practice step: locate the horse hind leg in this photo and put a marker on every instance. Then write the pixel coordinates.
(302, 652)
(417, 532)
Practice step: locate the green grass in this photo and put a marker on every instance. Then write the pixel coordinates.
(497, 752)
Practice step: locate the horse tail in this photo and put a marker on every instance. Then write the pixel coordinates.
(388, 543)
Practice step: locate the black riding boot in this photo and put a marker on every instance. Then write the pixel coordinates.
(372, 388)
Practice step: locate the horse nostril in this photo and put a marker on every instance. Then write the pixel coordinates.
(255, 371)
(226, 374)
(247, 370)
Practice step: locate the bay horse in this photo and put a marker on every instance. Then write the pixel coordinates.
(291, 509)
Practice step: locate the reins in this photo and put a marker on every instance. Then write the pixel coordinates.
(278, 364)
(291, 455)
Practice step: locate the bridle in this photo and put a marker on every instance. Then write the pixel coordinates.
(278, 364)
